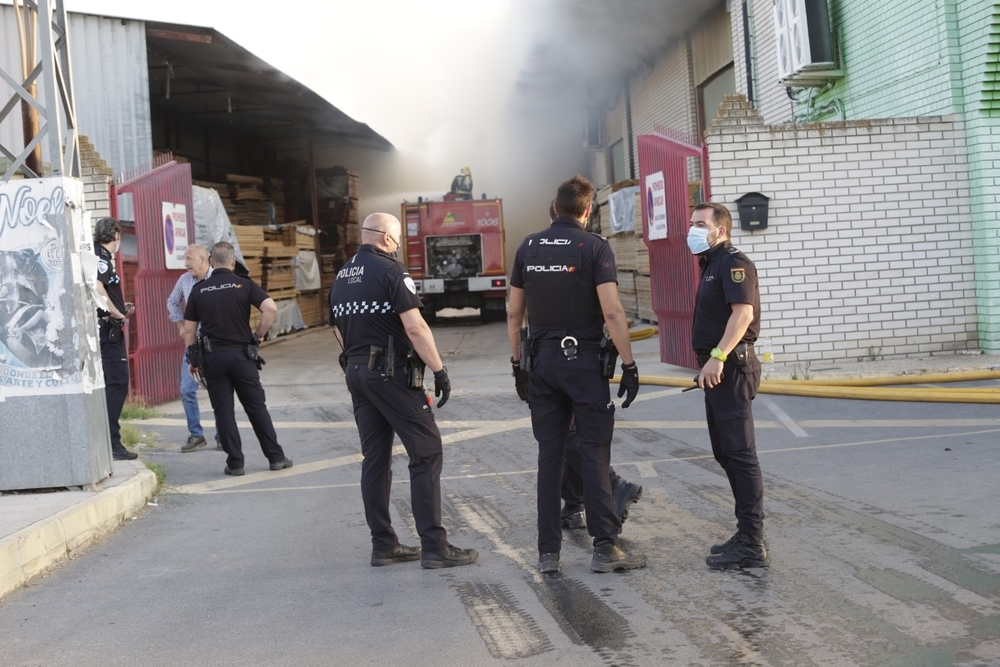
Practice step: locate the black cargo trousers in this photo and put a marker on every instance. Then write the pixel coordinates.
(559, 391)
(229, 369)
(729, 411)
(384, 406)
(114, 361)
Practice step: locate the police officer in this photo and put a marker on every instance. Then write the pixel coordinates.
(376, 317)
(221, 303)
(566, 280)
(726, 324)
(114, 358)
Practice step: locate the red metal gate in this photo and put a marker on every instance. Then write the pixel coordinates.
(155, 348)
(673, 270)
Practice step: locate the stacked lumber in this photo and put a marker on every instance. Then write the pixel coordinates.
(626, 292)
(305, 236)
(623, 245)
(312, 308)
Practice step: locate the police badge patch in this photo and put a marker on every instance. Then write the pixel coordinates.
(409, 284)
(737, 275)
(102, 266)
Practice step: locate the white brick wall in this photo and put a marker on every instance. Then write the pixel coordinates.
(869, 238)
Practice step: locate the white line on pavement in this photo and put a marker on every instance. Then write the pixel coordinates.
(646, 469)
(783, 417)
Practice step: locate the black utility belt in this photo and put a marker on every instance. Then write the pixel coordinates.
(557, 344)
(363, 359)
(227, 348)
(740, 355)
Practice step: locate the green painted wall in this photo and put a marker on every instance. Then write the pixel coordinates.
(896, 57)
(977, 21)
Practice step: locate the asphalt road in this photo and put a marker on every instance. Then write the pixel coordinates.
(882, 519)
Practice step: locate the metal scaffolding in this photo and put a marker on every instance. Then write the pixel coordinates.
(55, 106)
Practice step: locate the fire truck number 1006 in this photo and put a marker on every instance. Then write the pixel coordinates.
(488, 222)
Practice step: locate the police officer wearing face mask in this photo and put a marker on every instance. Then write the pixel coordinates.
(221, 303)
(386, 343)
(565, 278)
(114, 358)
(726, 324)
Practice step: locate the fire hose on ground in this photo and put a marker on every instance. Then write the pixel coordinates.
(868, 389)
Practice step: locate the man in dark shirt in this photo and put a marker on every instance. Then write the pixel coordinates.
(377, 320)
(726, 324)
(114, 358)
(565, 280)
(221, 303)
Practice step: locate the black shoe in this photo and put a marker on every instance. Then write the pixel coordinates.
(449, 557)
(625, 494)
(611, 557)
(193, 442)
(282, 464)
(235, 472)
(548, 563)
(724, 547)
(397, 554)
(218, 445)
(745, 552)
(124, 455)
(574, 520)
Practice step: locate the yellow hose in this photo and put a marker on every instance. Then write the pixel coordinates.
(643, 333)
(814, 389)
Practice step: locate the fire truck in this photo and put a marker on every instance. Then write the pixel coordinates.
(454, 251)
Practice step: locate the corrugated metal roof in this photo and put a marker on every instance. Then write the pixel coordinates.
(111, 85)
(213, 81)
(202, 74)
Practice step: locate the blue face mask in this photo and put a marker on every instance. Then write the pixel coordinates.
(698, 240)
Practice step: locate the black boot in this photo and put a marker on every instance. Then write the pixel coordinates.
(624, 495)
(611, 557)
(397, 554)
(573, 520)
(720, 548)
(745, 552)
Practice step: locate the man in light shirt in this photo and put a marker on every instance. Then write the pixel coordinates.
(198, 268)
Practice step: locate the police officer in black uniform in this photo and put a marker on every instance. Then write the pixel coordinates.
(726, 324)
(114, 358)
(566, 280)
(377, 320)
(623, 492)
(221, 303)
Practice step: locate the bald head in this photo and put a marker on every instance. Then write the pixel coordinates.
(381, 230)
(196, 261)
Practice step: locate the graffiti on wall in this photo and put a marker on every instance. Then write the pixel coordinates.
(35, 331)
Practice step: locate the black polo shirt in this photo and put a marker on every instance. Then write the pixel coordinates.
(112, 282)
(370, 292)
(727, 276)
(559, 270)
(221, 303)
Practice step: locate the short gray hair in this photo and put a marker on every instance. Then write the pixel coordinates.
(223, 254)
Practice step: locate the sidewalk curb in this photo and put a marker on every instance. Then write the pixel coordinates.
(31, 551)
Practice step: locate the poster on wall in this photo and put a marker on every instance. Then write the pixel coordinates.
(175, 234)
(37, 336)
(656, 207)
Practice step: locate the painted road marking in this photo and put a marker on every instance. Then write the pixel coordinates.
(491, 426)
(783, 417)
(646, 469)
(229, 485)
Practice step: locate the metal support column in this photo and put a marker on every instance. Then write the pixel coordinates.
(56, 106)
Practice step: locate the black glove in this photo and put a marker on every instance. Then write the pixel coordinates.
(342, 359)
(520, 379)
(629, 383)
(442, 386)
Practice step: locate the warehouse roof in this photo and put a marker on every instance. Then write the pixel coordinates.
(201, 73)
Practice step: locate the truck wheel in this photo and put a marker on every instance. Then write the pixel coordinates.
(487, 315)
(430, 313)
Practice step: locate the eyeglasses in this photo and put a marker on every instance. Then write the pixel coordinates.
(379, 231)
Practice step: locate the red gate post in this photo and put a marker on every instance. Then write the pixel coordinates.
(155, 357)
(673, 270)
